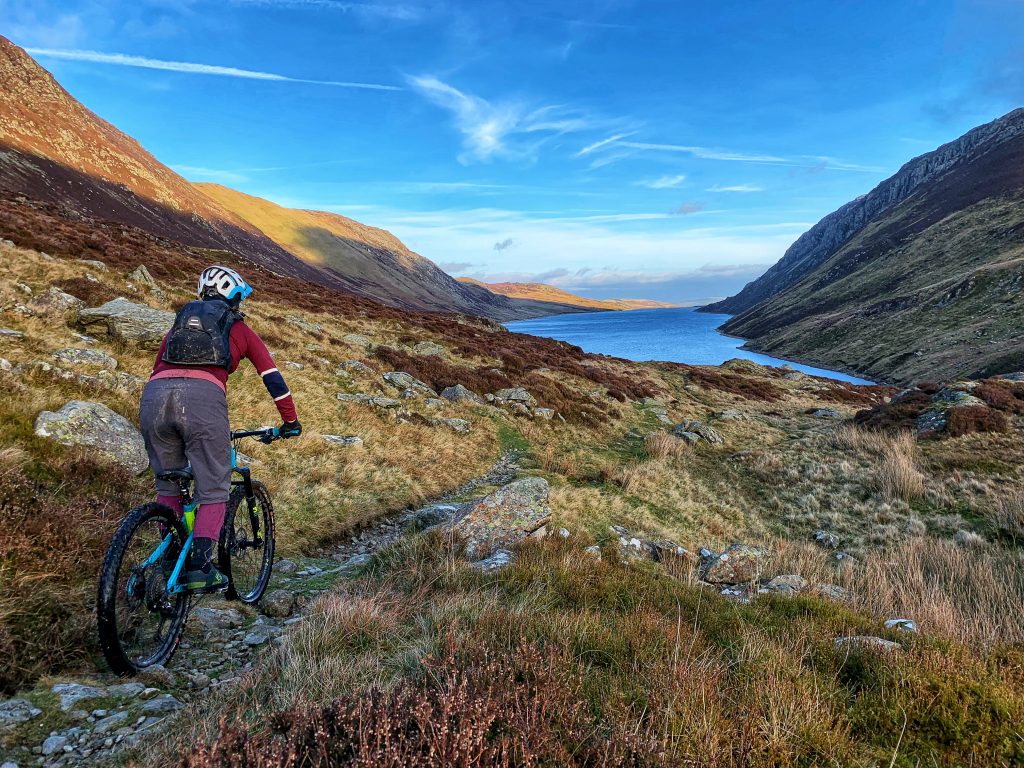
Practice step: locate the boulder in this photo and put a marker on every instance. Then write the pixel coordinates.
(123, 319)
(826, 539)
(504, 517)
(433, 403)
(142, 276)
(349, 367)
(278, 604)
(699, 428)
(826, 413)
(92, 357)
(499, 559)
(904, 625)
(55, 301)
(402, 381)
(71, 694)
(9, 334)
(213, 618)
(544, 414)
(93, 424)
(157, 676)
(459, 393)
(729, 414)
(515, 395)
(350, 441)
(690, 438)
(427, 348)
(739, 564)
(96, 264)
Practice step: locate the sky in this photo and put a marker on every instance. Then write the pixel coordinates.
(657, 149)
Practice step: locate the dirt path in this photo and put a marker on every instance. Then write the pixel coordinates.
(89, 719)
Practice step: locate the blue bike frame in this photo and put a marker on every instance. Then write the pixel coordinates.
(189, 507)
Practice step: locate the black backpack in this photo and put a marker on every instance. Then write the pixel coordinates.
(201, 335)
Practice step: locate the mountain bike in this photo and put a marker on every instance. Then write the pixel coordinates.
(142, 603)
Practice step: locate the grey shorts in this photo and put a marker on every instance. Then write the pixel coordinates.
(185, 423)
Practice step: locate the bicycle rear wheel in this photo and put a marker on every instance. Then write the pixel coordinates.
(246, 548)
(139, 623)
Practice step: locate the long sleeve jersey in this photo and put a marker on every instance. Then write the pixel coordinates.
(244, 344)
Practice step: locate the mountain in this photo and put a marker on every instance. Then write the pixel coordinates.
(53, 149)
(549, 293)
(920, 278)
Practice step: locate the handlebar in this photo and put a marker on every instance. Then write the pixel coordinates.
(266, 435)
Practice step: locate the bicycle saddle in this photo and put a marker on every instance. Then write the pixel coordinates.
(183, 475)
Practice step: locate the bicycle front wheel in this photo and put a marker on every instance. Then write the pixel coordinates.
(139, 623)
(246, 550)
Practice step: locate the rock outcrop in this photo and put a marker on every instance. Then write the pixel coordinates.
(504, 518)
(125, 320)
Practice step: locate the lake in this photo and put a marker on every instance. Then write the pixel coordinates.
(679, 335)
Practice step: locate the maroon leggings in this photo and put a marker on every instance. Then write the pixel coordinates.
(209, 517)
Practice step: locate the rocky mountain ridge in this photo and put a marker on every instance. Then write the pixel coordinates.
(549, 293)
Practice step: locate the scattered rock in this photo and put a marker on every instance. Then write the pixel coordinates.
(699, 428)
(905, 625)
(125, 690)
(351, 441)
(739, 564)
(428, 348)
(357, 340)
(92, 424)
(142, 276)
(110, 723)
(866, 643)
(459, 393)
(826, 539)
(72, 694)
(374, 400)
(789, 584)
(433, 403)
(307, 325)
(96, 264)
(515, 395)
(504, 517)
(499, 559)
(691, 438)
(830, 592)
(215, 618)
(160, 705)
(545, 414)
(461, 426)
(285, 566)
(657, 409)
(125, 320)
(16, 711)
(56, 301)
(257, 637)
(826, 413)
(279, 604)
(401, 380)
(92, 357)
(54, 744)
(9, 334)
(5, 364)
(357, 366)
(293, 366)
(594, 551)
(729, 414)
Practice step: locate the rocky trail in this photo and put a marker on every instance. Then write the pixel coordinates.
(91, 718)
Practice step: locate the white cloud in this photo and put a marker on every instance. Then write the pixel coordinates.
(602, 143)
(498, 129)
(195, 172)
(125, 60)
(389, 11)
(736, 188)
(663, 182)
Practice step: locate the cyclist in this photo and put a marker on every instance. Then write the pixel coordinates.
(184, 408)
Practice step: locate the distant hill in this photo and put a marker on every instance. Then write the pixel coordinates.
(921, 278)
(549, 293)
(55, 150)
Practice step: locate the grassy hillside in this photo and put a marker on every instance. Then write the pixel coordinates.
(549, 293)
(920, 279)
(561, 658)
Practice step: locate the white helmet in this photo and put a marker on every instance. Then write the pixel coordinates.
(224, 281)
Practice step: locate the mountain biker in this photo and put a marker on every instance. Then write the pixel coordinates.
(184, 409)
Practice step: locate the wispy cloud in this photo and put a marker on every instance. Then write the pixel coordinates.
(662, 182)
(498, 129)
(504, 245)
(688, 207)
(617, 147)
(210, 174)
(125, 60)
(736, 188)
(454, 267)
(389, 11)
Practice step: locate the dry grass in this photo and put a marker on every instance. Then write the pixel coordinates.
(662, 445)
(1008, 513)
(897, 475)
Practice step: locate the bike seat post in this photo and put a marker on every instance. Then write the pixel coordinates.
(186, 492)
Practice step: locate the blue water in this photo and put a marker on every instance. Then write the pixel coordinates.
(681, 335)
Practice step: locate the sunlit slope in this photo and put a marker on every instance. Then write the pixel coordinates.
(544, 292)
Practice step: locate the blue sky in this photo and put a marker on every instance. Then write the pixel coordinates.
(658, 149)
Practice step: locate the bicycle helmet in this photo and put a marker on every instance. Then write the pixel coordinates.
(223, 282)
